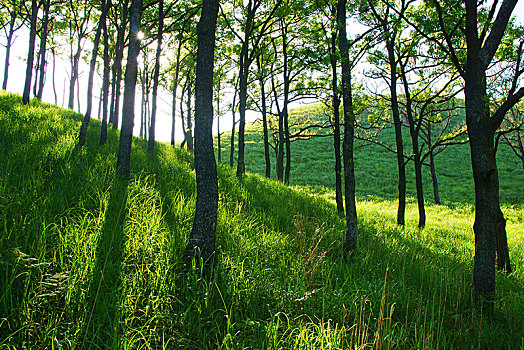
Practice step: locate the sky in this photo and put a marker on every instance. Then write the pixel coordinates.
(163, 130)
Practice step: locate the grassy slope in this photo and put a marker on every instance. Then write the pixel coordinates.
(376, 168)
(278, 280)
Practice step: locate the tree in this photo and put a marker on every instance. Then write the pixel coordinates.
(513, 133)
(128, 111)
(16, 12)
(151, 142)
(482, 124)
(30, 52)
(104, 8)
(350, 241)
(201, 242)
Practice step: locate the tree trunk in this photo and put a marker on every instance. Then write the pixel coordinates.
(436, 196)
(105, 86)
(350, 242)
(264, 117)
(117, 69)
(43, 48)
(175, 84)
(232, 146)
(336, 123)
(285, 113)
(151, 143)
(279, 147)
(30, 53)
(189, 140)
(96, 43)
(128, 112)
(401, 212)
(201, 242)
(9, 38)
(54, 75)
(74, 74)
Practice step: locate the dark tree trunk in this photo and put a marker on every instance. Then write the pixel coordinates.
(350, 242)
(401, 212)
(279, 147)
(232, 146)
(9, 38)
(264, 117)
(105, 86)
(175, 84)
(96, 43)
(242, 93)
(30, 53)
(74, 74)
(151, 142)
(285, 113)
(54, 75)
(117, 69)
(432, 170)
(336, 123)
(414, 128)
(201, 242)
(43, 48)
(219, 146)
(128, 111)
(189, 139)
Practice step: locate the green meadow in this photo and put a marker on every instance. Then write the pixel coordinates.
(88, 261)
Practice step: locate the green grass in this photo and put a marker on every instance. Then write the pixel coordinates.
(88, 261)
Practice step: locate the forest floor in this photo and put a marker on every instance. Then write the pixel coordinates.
(87, 260)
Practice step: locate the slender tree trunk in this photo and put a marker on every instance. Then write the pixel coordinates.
(105, 86)
(432, 170)
(151, 143)
(232, 146)
(30, 53)
(117, 69)
(350, 242)
(87, 117)
(219, 146)
(280, 139)
(175, 84)
(285, 113)
(128, 112)
(336, 124)
(74, 74)
(10, 34)
(189, 116)
(401, 212)
(201, 242)
(54, 75)
(264, 116)
(43, 49)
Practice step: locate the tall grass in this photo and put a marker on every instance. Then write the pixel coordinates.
(88, 261)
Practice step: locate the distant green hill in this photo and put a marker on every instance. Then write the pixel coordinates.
(312, 165)
(89, 261)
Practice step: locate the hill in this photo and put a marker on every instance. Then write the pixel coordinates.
(90, 261)
(312, 165)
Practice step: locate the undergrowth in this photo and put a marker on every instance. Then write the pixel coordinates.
(89, 261)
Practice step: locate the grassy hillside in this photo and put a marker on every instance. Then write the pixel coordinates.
(312, 165)
(90, 261)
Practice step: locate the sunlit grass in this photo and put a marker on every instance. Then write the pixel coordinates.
(90, 261)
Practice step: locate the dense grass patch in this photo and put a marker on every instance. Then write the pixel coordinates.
(87, 260)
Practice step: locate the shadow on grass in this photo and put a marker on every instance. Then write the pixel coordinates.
(101, 325)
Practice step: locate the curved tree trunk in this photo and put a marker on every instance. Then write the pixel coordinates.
(201, 242)
(43, 48)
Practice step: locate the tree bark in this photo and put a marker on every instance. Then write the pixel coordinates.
(105, 85)
(232, 146)
(285, 113)
(350, 242)
(201, 242)
(9, 38)
(43, 48)
(151, 142)
(189, 135)
(128, 112)
(30, 53)
(96, 43)
(336, 123)
(264, 116)
(175, 83)
(74, 74)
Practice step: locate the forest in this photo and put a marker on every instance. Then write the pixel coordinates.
(374, 202)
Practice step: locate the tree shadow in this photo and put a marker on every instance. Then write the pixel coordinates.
(100, 328)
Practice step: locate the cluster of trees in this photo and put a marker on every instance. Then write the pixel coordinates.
(421, 57)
